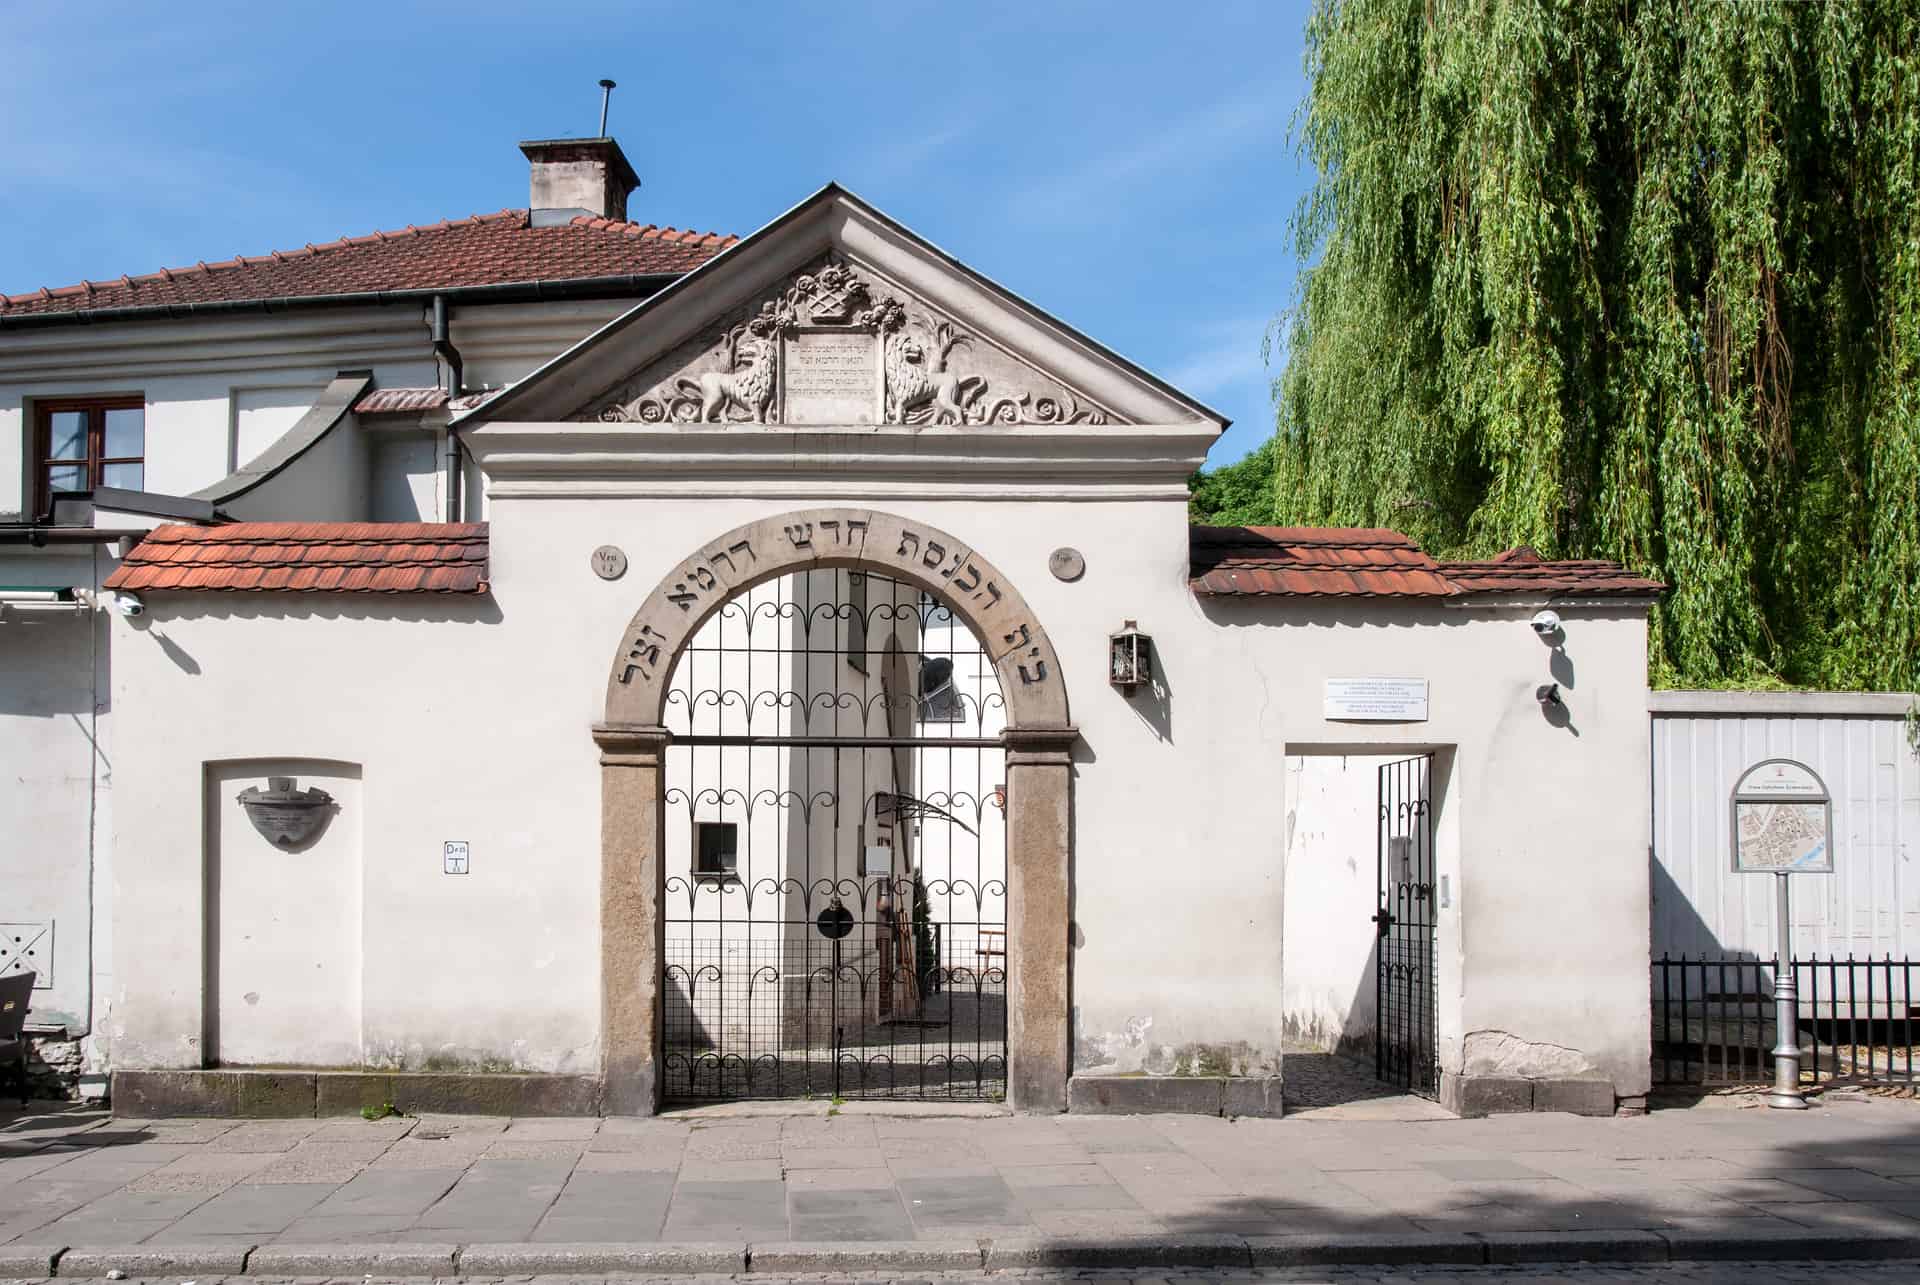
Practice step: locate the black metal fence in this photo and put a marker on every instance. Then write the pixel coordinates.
(1714, 1023)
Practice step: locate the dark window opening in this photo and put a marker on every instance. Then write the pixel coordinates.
(939, 701)
(716, 848)
(79, 445)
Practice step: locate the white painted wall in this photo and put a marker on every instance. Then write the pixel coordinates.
(405, 476)
(332, 481)
(285, 942)
(49, 795)
(220, 391)
(261, 415)
(1330, 896)
(1551, 826)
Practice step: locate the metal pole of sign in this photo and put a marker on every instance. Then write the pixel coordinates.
(1786, 1093)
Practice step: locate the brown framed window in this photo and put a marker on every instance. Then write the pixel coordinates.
(81, 443)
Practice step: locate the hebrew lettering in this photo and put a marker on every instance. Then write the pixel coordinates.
(644, 655)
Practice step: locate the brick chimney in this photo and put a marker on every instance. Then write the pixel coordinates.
(575, 176)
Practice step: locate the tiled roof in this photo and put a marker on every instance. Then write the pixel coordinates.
(1363, 562)
(1522, 570)
(400, 401)
(1331, 562)
(309, 557)
(484, 249)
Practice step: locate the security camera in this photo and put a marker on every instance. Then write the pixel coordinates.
(1546, 623)
(128, 605)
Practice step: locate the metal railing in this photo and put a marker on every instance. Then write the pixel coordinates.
(1713, 1020)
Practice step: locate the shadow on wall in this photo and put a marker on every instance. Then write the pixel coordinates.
(1153, 703)
(1268, 613)
(1677, 928)
(451, 609)
(1329, 942)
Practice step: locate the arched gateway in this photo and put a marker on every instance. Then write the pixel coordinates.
(634, 737)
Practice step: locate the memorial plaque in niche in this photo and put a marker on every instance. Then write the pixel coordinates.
(830, 377)
(284, 814)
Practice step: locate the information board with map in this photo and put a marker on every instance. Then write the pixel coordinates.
(1782, 820)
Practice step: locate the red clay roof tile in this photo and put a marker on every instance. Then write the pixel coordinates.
(1365, 562)
(491, 249)
(400, 401)
(309, 557)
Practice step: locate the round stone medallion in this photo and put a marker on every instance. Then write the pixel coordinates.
(1066, 564)
(609, 563)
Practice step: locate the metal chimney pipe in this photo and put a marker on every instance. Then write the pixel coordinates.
(606, 94)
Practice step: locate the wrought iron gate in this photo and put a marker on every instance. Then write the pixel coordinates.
(835, 916)
(1404, 983)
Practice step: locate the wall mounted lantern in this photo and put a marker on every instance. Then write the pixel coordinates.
(285, 815)
(1129, 658)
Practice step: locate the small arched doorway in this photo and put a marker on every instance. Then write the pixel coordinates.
(674, 963)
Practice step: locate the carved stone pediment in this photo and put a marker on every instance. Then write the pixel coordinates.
(836, 344)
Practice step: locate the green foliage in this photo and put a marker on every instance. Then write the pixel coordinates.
(1239, 494)
(380, 1112)
(1629, 280)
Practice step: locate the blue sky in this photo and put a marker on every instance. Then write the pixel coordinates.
(1127, 167)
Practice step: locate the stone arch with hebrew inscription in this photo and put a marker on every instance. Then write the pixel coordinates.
(909, 551)
(836, 790)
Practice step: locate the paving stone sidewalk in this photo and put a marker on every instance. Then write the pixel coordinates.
(86, 1181)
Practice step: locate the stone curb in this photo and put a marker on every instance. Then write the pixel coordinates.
(1118, 1251)
(865, 1256)
(351, 1260)
(1783, 1245)
(20, 1261)
(1596, 1246)
(155, 1260)
(519, 1259)
(1390, 1248)
(388, 1260)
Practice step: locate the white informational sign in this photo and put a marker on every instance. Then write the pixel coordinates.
(1377, 700)
(453, 856)
(1782, 820)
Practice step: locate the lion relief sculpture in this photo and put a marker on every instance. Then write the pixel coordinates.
(923, 391)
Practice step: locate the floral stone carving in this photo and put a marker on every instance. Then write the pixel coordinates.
(927, 370)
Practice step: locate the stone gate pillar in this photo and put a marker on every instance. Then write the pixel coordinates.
(1039, 924)
(632, 840)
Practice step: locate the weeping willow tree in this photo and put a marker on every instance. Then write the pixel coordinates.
(1634, 279)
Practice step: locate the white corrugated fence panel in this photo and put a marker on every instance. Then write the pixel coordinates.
(1869, 905)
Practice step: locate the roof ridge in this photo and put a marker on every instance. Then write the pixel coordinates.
(309, 250)
(654, 230)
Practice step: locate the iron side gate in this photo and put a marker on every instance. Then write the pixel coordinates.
(835, 916)
(1404, 984)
